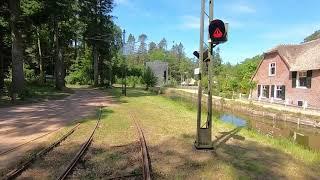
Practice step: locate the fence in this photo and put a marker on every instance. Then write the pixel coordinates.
(246, 108)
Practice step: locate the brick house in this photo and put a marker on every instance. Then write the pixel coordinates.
(290, 74)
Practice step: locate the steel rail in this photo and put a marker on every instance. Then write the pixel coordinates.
(80, 153)
(23, 144)
(146, 162)
(16, 172)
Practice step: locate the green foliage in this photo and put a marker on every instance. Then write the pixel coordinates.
(81, 71)
(133, 81)
(172, 83)
(314, 36)
(149, 79)
(237, 78)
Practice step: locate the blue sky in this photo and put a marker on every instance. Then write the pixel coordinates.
(254, 26)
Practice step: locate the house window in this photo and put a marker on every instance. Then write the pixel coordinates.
(300, 103)
(272, 69)
(280, 92)
(265, 91)
(302, 79)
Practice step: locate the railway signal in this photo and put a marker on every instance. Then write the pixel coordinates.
(218, 31)
(217, 35)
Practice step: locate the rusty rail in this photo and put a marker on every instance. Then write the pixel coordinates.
(146, 162)
(80, 153)
(16, 172)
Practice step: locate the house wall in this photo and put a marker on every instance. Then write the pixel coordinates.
(284, 77)
(262, 75)
(304, 94)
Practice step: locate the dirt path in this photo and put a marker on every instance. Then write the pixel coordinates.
(21, 124)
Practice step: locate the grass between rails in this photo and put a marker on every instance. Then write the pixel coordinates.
(169, 126)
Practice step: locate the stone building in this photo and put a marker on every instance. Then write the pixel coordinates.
(160, 70)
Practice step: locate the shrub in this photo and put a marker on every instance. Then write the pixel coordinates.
(133, 81)
(149, 79)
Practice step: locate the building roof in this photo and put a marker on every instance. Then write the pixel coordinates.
(305, 56)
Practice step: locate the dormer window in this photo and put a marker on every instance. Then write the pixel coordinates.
(272, 69)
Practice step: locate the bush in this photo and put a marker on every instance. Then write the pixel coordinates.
(30, 75)
(133, 81)
(149, 79)
(172, 83)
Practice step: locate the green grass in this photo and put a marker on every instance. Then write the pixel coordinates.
(169, 127)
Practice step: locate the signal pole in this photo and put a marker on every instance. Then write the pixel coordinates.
(204, 132)
(124, 83)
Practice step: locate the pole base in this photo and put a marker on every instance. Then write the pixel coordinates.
(203, 146)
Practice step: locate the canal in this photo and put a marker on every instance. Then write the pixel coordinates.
(308, 137)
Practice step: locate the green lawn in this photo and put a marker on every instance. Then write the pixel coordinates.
(169, 127)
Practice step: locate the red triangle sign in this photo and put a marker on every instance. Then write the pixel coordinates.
(217, 33)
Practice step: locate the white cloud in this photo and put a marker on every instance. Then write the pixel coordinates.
(241, 7)
(118, 2)
(290, 33)
(191, 22)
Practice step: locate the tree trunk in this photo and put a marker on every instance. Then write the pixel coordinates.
(76, 49)
(41, 78)
(18, 83)
(110, 74)
(59, 74)
(95, 66)
(1, 75)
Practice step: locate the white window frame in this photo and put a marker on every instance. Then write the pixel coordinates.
(262, 88)
(275, 68)
(276, 89)
(298, 79)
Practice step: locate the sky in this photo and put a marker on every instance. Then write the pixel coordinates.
(254, 26)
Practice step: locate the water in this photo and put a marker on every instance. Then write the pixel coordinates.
(308, 137)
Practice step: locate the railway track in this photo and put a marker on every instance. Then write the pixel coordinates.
(26, 143)
(146, 161)
(16, 172)
(82, 150)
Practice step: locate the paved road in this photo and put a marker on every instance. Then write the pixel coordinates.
(20, 124)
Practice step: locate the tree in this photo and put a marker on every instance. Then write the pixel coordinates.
(149, 79)
(314, 36)
(18, 83)
(131, 42)
(142, 50)
(152, 46)
(163, 44)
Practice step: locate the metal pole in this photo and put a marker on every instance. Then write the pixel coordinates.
(209, 117)
(124, 84)
(201, 69)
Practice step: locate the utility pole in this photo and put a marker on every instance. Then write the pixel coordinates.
(124, 84)
(204, 132)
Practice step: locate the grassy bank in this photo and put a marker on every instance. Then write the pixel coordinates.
(169, 127)
(35, 93)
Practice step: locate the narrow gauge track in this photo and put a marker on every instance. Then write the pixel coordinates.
(82, 150)
(26, 143)
(146, 161)
(16, 172)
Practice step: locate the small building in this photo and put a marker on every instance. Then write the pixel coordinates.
(160, 70)
(290, 74)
